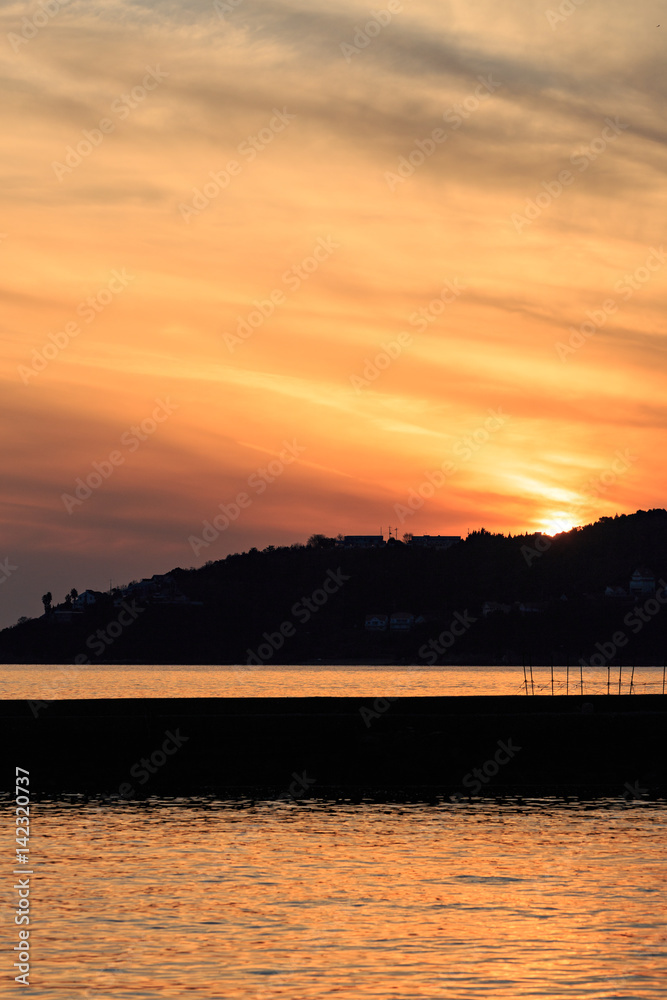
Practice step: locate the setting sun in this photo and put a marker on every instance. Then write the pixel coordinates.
(557, 524)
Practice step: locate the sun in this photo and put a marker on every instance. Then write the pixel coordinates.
(555, 523)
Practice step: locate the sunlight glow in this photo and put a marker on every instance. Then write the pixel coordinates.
(557, 523)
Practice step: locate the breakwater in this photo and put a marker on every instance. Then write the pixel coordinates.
(296, 748)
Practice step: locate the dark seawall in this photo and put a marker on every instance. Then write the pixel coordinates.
(340, 747)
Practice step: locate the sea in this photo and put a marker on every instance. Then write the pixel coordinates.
(169, 898)
(51, 682)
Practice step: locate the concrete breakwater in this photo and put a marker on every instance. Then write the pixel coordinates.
(299, 748)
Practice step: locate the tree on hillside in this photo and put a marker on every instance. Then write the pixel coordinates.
(47, 600)
(321, 542)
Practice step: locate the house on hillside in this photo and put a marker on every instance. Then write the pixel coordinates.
(495, 607)
(434, 541)
(401, 621)
(63, 614)
(376, 623)
(160, 589)
(361, 542)
(87, 599)
(642, 582)
(142, 590)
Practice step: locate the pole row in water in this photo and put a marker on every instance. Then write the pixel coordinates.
(631, 686)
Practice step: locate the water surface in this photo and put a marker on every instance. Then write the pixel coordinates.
(51, 682)
(251, 901)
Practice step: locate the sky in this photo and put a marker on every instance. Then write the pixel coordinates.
(272, 268)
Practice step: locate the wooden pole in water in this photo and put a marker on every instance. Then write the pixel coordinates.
(532, 685)
(608, 676)
(663, 676)
(620, 674)
(552, 676)
(567, 676)
(581, 676)
(525, 676)
(632, 677)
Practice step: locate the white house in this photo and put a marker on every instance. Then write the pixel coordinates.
(401, 620)
(642, 582)
(493, 607)
(86, 599)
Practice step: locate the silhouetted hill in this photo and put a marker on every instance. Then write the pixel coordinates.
(306, 603)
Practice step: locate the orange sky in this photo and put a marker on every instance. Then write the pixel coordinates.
(499, 168)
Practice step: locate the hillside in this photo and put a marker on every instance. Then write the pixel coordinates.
(307, 603)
